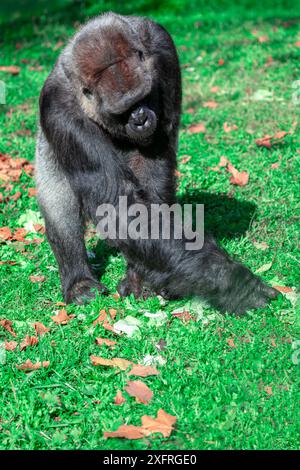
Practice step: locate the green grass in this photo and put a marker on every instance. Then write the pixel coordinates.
(217, 392)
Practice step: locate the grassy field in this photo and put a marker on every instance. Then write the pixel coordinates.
(232, 383)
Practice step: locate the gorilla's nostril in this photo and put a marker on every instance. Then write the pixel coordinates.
(139, 116)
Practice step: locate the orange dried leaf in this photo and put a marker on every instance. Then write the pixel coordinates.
(102, 317)
(283, 289)
(28, 341)
(210, 104)
(112, 313)
(239, 178)
(163, 423)
(37, 278)
(5, 233)
(10, 345)
(230, 342)
(143, 371)
(40, 328)
(62, 318)
(7, 325)
(139, 390)
(107, 342)
(197, 128)
(12, 69)
(28, 365)
(122, 364)
(126, 432)
(119, 399)
(228, 128)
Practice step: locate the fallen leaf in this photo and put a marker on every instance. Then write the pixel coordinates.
(102, 318)
(139, 390)
(268, 390)
(28, 341)
(263, 39)
(119, 399)
(222, 163)
(143, 371)
(12, 69)
(228, 128)
(239, 178)
(210, 104)
(40, 328)
(221, 62)
(126, 432)
(122, 364)
(230, 342)
(19, 234)
(62, 318)
(263, 268)
(215, 89)
(197, 128)
(107, 342)
(283, 289)
(10, 345)
(112, 313)
(5, 233)
(28, 365)
(183, 315)
(163, 423)
(32, 192)
(37, 278)
(7, 325)
(274, 166)
(185, 159)
(269, 140)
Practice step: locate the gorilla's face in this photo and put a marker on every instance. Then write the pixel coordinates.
(117, 83)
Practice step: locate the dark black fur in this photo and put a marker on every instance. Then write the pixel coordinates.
(114, 65)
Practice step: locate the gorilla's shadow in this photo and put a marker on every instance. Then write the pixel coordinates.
(224, 217)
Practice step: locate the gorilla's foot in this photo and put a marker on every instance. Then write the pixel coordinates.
(245, 292)
(84, 291)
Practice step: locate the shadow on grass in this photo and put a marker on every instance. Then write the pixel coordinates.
(225, 218)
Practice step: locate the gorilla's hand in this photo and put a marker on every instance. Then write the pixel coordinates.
(142, 123)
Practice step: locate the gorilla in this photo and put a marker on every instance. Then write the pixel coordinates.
(109, 118)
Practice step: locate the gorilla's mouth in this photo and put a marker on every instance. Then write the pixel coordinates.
(141, 123)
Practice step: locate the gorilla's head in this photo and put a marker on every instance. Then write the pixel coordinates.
(116, 79)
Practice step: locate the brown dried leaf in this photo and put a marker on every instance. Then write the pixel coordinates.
(62, 318)
(240, 178)
(107, 342)
(37, 278)
(28, 341)
(126, 432)
(40, 328)
(163, 423)
(283, 289)
(5, 233)
(12, 69)
(197, 128)
(7, 325)
(10, 345)
(139, 390)
(269, 140)
(122, 364)
(28, 365)
(143, 371)
(210, 104)
(119, 399)
(230, 342)
(228, 128)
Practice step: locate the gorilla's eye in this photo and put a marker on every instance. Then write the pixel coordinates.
(141, 55)
(87, 92)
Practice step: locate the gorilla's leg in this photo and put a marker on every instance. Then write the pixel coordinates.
(64, 229)
(131, 284)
